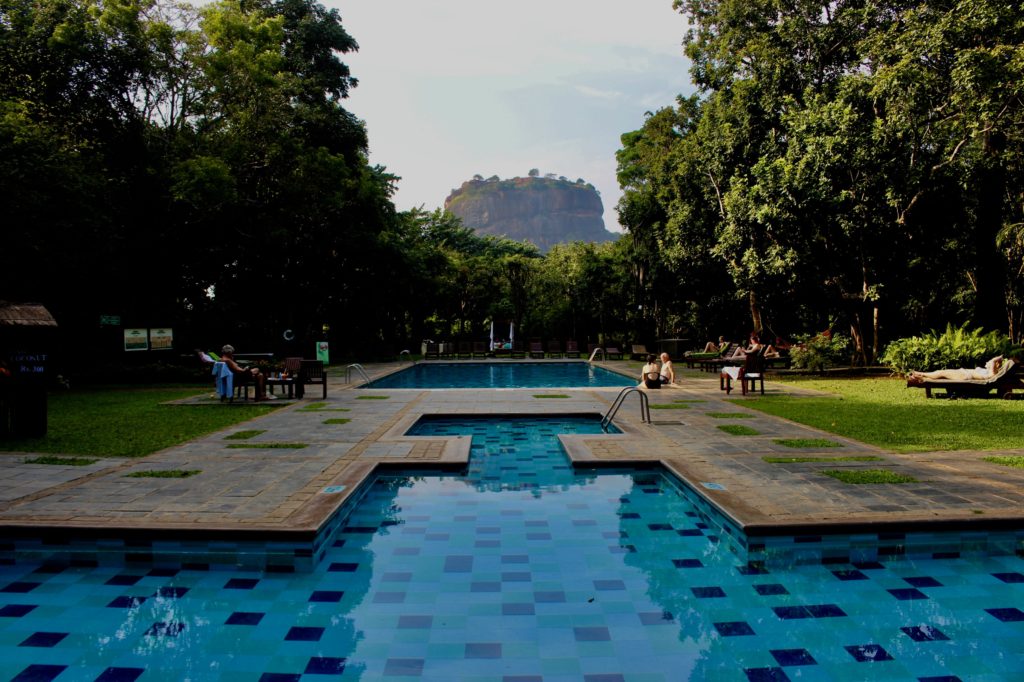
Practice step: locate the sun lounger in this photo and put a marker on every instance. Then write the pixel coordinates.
(1004, 382)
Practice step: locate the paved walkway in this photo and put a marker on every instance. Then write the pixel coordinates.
(320, 455)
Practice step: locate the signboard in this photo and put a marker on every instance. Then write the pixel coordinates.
(161, 339)
(110, 320)
(322, 352)
(136, 339)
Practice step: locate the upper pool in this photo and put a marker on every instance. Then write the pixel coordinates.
(501, 375)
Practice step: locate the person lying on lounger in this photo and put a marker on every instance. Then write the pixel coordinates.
(990, 369)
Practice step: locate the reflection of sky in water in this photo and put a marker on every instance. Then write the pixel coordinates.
(542, 573)
(501, 375)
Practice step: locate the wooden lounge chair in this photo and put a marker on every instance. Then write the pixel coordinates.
(612, 352)
(638, 352)
(554, 349)
(433, 352)
(517, 351)
(479, 349)
(536, 350)
(572, 349)
(465, 350)
(1004, 382)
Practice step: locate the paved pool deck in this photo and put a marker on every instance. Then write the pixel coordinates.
(285, 491)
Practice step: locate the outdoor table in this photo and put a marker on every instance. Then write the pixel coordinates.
(286, 382)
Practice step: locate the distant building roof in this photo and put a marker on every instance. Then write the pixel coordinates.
(25, 315)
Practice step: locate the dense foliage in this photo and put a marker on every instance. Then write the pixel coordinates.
(955, 347)
(845, 160)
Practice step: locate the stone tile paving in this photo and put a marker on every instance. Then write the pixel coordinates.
(284, 488)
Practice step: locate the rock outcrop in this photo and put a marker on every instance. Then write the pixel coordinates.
(543, 211)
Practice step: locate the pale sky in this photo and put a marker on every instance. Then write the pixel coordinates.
(452, 88)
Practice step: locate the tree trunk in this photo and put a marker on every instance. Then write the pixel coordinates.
(989, 265)
(876, 337)
(755, 312)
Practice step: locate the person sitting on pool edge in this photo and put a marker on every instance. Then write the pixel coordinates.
(650, 375)
(667, 372)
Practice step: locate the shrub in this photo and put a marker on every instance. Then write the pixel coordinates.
(955, 347)
(820, 352)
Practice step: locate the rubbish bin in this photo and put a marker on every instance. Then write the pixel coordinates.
(26, 337)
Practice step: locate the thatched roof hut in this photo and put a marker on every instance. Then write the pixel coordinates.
(25, 315)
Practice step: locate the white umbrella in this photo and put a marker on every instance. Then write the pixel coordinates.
(511, 332)
(492, 334)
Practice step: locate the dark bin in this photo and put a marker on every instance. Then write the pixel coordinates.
(26, 336)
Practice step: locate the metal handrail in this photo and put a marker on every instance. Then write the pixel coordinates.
(645, 407)
(408, 354)
(357, 367)
(604, 356)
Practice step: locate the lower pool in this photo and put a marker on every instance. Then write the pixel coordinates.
(502, 375)
(521, 570)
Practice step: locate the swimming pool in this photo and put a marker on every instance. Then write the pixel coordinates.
(523, 569)
(502, 375)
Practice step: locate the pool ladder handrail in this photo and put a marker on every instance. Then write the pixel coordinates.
(604, 355)
(645, 407)
(358, 368)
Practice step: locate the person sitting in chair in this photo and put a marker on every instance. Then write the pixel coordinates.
(227, 356)
(650, 375)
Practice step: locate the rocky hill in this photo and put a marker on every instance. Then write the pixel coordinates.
(545, 211)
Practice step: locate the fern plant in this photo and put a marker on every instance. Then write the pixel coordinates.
(955, 347)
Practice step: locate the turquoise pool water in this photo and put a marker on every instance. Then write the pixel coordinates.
(501, 375)
(521, 570)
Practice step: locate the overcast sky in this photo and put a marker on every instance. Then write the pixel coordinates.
(452, 88)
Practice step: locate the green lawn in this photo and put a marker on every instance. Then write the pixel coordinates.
(884, 412)
(129, 422)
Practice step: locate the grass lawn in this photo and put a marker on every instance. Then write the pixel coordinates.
(884, 412)
(129, 422)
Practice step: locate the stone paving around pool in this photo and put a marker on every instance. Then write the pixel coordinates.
(298, 488)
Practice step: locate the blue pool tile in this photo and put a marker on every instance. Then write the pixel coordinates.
(483, 650)
(516, 577)
(163, 572)
(659, 526)
(389, 598)
(924, 633)
(120, 674)
(604, 677)
(825, 611)
(415, 622)
(125, 602)
(325, 665)
(708, 592)
(518, 609)
(793, 657)
(687, 563)
(791, 612)
(766, 675)
(44, 640)
(162, 629)
(124, 580)
(940, 678)
(19, 587)
(522, 678)
(868, 653)
(923, 581)
(1009, 577)
(737, 628)
(549, 597)
(39, 672)
(770, 589)
(656, 618)
(326, 596)
(849, 574)
(868, 565)
(16, 610)
(304, 634)
(171, 592)
(244, 618)
(404, 667)
(280, 677)
(592, 634)
(485, 586)
(342, 567)
(907, 593)
(690, 532)
(458, 564)
(241, 584)
(515, 559)
(1007, 615)
(752, 568)
(609, 585)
